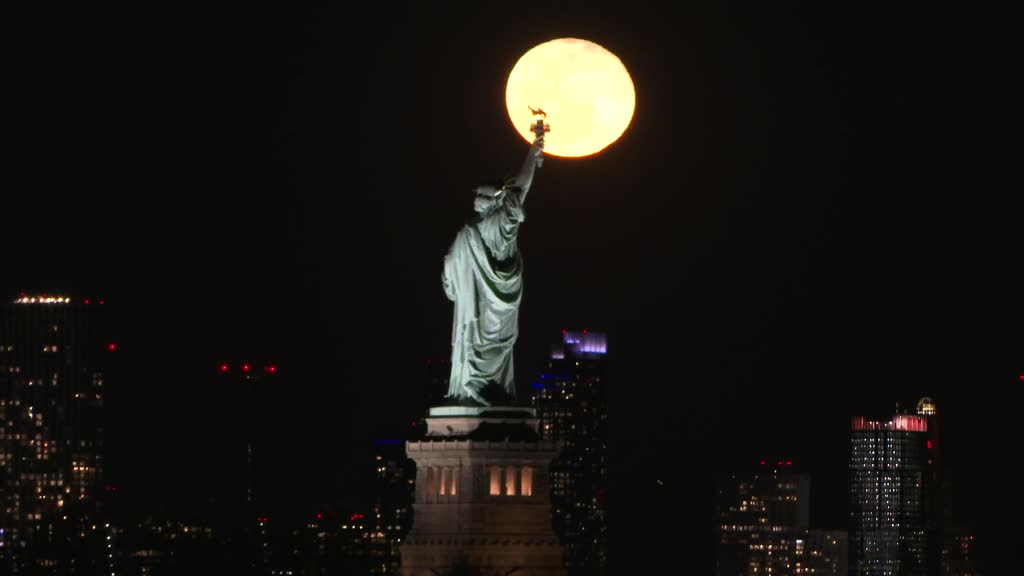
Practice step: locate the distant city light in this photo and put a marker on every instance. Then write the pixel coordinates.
(43, 299)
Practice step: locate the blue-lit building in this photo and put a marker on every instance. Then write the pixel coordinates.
(571, 401)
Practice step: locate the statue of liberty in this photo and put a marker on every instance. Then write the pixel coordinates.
(483, 276)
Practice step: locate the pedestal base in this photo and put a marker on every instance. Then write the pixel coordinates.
(482, 496)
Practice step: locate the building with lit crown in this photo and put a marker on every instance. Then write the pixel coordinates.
(889, 496)
(54, 358)
(571, 401)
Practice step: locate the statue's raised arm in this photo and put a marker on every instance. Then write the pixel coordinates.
(534, 158)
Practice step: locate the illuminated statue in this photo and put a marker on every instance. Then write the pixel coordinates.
(483, 276)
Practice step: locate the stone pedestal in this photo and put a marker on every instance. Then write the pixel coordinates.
(481, 496)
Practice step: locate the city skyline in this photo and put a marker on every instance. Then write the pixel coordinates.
(834, 192)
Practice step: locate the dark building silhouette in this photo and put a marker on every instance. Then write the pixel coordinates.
(248, 465)
(55, 354)
(959, 554)
(571, 401)
(890, 496)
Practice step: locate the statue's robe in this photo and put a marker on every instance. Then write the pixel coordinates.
(483, 276)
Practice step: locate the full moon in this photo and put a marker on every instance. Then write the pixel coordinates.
(584, 89)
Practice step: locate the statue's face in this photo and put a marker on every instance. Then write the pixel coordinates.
(484, 199)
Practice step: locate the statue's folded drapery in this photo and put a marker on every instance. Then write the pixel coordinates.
(483, 277)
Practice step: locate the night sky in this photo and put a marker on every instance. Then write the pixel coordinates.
(815, 213)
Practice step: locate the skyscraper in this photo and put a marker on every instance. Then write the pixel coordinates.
(248, 466)
(889, 496)
(54, 355)
(571, 402)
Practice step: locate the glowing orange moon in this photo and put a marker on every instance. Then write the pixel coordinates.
(584, 89)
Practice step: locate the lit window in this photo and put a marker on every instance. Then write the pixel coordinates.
(452, 487)
(526, 481)
(510, 481)
(444, 482)
(495, 481)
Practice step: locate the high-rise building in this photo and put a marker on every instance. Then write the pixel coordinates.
(762, 525)
(248, 466)
(571, 402)
(54, 357)
(760, 518)
(889, 496)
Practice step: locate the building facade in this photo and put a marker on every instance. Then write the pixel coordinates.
(761, 517)
(54, 357)
(890, 492)
(763, 527)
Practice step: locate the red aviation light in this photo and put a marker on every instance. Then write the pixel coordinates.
(86, 301)
(111, 346)
(789, 462)
(929, 444)
(224, 368)
(271, 369)
(245, 367)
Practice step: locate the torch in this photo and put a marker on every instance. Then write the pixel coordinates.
(539, 129)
